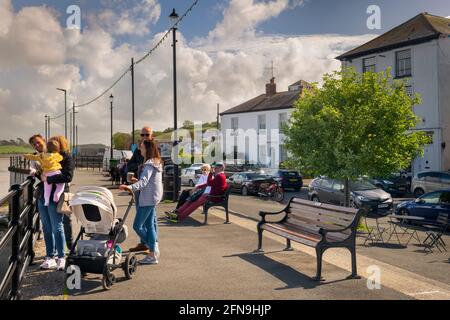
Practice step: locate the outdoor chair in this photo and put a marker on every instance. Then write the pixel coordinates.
(435, 233)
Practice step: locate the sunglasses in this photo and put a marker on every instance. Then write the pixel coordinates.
(145, 135)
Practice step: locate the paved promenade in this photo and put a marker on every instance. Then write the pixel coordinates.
(217, 262)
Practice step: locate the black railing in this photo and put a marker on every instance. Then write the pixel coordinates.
(91, 163)
(19, 163)
(17, 245)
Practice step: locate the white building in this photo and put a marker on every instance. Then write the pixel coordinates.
(419, 51)
(252, 131)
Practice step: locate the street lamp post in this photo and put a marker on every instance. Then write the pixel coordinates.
(65, 111)
(46, 128)
(111, 98)
(174, 18)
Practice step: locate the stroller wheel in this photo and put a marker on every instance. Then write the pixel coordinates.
(108, 279)
(130, 266)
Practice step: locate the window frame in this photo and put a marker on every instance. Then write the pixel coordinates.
(397, 64)
(367, 68)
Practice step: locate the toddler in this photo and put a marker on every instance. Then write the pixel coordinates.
(49, 161)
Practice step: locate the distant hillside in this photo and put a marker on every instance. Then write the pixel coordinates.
(14, 150)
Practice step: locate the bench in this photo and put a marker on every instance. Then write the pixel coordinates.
(224, 204)
(317, 225)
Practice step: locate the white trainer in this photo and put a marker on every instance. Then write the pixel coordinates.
(157, 252)
(48, 264)
(61, 264)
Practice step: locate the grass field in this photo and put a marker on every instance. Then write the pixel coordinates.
(14, 150)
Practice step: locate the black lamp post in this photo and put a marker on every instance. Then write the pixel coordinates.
(65, 111)
(174, 18)
(111, 98)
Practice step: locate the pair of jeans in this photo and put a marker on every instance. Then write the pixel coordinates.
(146, 227)
(53, 228)
(143, 240)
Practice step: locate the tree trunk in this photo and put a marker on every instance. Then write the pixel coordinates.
(347, 192)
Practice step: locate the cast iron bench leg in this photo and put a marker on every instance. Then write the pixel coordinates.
(288, 245)
(319, 254)
(260, 234)
(354, 267)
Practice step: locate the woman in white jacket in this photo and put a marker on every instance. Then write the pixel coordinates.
(150, 191)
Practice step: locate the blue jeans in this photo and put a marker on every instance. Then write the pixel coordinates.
(146, 227)
(52, 225)
(143, 240)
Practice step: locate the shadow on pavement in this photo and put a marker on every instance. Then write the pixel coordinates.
(291, 277)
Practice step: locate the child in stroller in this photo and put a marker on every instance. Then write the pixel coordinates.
(100, 254)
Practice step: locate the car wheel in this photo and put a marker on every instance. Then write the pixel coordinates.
(418, 192)
(244, 191)
(191, 183)
(315, 199)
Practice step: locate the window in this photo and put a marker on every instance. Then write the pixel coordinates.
(283, 153)
(234, 123)
(432, 198)
(433, 177)
(445, 178)
(409, 91)
(338, 186)
(327, 183)
(262, 122)
(445, 198)
(282, 121)
(403, 63)
(369, 65)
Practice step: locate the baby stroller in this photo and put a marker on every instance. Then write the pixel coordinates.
(100, 253)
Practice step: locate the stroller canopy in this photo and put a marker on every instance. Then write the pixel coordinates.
(95, 209)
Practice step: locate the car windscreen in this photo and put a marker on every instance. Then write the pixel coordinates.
(361, 185)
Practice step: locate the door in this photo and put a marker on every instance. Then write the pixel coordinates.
(427, 206)
(433, 181)
(325, 190)
(338, 195)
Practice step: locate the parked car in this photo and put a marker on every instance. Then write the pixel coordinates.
(247, 183)
(427, 206)
(395, 185)
(425, 182)
(190, 176)
(363, 195)
(288, 179)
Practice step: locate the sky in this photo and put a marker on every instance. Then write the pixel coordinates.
(225, 49)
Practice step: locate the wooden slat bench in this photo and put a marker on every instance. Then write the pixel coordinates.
(317, 225)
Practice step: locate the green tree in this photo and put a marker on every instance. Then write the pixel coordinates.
(122, 141)
(355, 125)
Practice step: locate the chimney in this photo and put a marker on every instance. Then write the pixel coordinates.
(271, 88)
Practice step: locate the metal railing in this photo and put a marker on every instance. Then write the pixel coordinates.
(90, 163)
(17, 245)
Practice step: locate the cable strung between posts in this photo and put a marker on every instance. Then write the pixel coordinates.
(142, 59)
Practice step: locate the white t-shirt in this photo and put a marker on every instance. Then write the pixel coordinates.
(204, 180)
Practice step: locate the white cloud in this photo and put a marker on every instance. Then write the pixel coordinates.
(121, 20)
(210, 71)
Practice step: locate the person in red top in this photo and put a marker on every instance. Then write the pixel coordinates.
(217, 181)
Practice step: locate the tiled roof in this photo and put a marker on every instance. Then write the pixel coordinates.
(281, 100)
(421, 28)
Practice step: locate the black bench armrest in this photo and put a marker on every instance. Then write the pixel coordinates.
(215, 197)
(263, 214)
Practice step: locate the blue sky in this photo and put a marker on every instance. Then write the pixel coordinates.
(314, 17)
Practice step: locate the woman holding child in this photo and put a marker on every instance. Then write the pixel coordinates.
(57, 172)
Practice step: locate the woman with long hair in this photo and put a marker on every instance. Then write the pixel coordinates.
(150, 190)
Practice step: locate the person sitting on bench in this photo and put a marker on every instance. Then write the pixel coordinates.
(201, 185)
(217, 181)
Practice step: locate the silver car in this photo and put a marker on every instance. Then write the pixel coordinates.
(190, 176)
(425, 182)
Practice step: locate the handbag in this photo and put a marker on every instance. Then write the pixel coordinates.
(63, 206)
